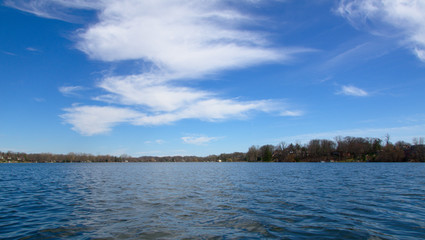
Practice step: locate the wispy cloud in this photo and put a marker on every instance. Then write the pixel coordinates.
(158, 141)
(186, 38)
(353, 91)
(150, 90)
(291, 113)
(54, 9)
(420, 53)
(211, 110)
(38, 99)
(8, 53)
(31, 49)
(91, 120)
(183, 40)
(402, 19)
(70, 90)
(198, 140)
(346, 56)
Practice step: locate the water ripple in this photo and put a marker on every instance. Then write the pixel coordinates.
(212, 201)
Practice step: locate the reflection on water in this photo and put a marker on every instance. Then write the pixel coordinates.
(212, 200)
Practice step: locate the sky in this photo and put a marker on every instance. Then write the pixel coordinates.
(195, 77)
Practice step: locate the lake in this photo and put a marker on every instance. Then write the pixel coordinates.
(212, 200)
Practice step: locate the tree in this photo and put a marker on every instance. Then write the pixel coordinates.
(376, 145)
(356, 147)
(391, 153)
(418, 141)
(314, 148)
(387, 139)
(266, 153)
(321, 148)
(416, 153)
(280, 152)
(252, 154)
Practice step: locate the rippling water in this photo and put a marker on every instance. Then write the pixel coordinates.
(212, 200)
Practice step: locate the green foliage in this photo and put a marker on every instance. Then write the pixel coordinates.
(266, 153)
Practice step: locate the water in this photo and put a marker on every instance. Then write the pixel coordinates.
(212, 200)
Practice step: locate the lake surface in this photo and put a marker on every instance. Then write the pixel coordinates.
(212, 200)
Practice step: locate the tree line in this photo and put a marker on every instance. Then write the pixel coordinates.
(341, 149)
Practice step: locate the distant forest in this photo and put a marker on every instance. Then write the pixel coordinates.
(342, 149)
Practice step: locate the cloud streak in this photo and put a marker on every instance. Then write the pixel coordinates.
(402, 19)
(55, 9)
(150, 90)
(198, 140)
(31, 49)
(353, 91)
(70, 90)
(92, 120)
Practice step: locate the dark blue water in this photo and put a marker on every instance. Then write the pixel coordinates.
(212, 200)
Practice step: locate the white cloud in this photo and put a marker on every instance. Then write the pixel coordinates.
(91, 120)
(158, 141)
(54, 9)
(8, 53)
(198, 140)
(183, 40)
(166, 102)
(31, 49)
(148, 90)
(208, 110)
(290, 113)
(353, 91)
(404, 19)
(188, 38)
(420, 53)
(219, 109)
(70, 90)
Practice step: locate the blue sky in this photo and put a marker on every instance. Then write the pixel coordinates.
(196, 77)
